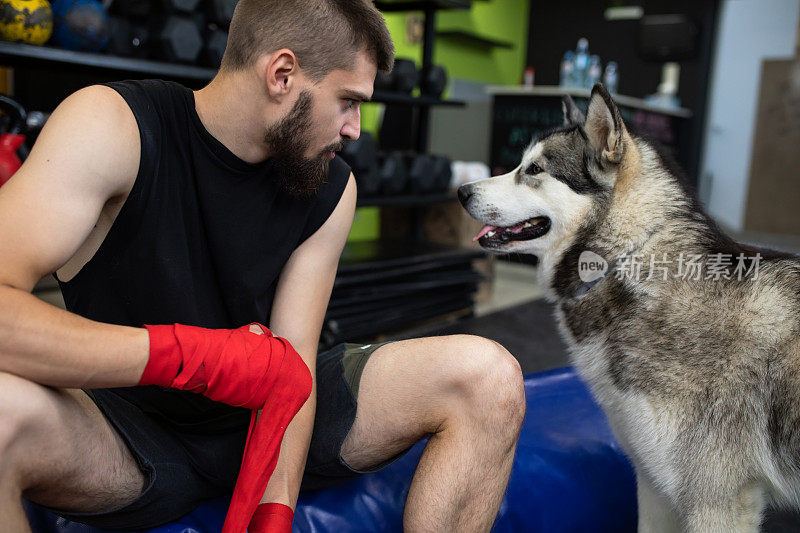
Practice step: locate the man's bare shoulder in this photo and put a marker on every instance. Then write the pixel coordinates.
(94, 134)
(86, 156)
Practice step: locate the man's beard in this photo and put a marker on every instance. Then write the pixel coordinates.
(288, 140)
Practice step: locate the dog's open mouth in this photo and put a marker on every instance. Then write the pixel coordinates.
(524, 231)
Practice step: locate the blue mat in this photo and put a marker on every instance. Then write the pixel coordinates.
(569, 475)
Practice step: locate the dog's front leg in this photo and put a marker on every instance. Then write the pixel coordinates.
(656, 513)
(741, 513)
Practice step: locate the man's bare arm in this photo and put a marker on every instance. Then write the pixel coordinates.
(87, 154)
(298, 310)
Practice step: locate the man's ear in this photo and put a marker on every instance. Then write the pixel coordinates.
(280, 70)
(572, 115)
(604, 126)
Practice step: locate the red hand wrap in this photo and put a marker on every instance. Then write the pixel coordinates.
(243, 369)
(272, 518)
(232, 366)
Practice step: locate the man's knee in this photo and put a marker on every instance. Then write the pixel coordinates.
(488, 378)
(22, 407)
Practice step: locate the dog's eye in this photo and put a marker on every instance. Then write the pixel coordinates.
(533, 169)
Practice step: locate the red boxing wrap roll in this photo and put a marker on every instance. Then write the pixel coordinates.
(272, 518)
(243, 369)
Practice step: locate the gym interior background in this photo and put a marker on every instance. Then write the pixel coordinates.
(716, 81)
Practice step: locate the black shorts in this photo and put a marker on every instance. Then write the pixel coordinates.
(183, 466)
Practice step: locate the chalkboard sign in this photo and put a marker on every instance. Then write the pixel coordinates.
(517, 119)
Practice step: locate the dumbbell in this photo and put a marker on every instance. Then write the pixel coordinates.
(176, 30)
(368, 182)
(34, 123)
(442, 173)
(420, 178)
(215, 41)
(179, 6)
(428, 173)
(139, 9)
(176, 38)
(403, 77)
(392, 173)
(434, 80)
(220, 12)
(383, 82)
(128, 38)
(35, 120)
(362, 156)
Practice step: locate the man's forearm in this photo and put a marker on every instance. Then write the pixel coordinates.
(284, 485)
(54, 347)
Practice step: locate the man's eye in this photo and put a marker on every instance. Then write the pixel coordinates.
(350, 103)
(534, 169)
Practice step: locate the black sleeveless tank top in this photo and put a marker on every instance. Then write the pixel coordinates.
(200, 240)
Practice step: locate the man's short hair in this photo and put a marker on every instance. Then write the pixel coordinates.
(325, 35)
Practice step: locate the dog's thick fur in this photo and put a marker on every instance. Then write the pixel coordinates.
(700, 379)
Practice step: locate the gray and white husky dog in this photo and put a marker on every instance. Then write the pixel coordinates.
(698, 374)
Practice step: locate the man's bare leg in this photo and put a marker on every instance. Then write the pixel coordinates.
(11, 512)
(466, 392)
(57, 449)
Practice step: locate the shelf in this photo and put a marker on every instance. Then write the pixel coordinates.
(405, 200)
(472, 39)
(422, 5)
(375, 329)
(367, 256)
(577, 92)
(400, 98)
(389, 284)
(18, 54)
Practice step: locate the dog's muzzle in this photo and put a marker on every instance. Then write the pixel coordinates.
(464, 194)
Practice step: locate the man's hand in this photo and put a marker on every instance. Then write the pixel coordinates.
(235, 366)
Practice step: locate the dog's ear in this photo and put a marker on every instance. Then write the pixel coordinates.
(604, 126)
(572, 115)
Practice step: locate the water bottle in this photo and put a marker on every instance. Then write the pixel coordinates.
(595, 72)
(581, 70)
(667, 94)
(610, 77)
(565, 77)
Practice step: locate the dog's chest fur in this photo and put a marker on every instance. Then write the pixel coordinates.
(681, 365)
(643, 429)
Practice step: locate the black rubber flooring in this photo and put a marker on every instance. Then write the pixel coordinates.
(528, 331)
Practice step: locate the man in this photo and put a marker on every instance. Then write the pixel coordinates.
(214, 209)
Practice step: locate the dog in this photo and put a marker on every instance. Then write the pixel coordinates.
(699, 374)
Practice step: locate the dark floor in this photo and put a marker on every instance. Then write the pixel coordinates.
(529, 332)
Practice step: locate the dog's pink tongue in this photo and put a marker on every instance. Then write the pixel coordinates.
(517, 228)
(484, 231)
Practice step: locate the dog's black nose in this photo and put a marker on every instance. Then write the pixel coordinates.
(464, 194)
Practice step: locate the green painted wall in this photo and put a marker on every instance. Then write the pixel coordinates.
(366, 224)
(502, 20)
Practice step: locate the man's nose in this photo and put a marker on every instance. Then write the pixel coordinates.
(351, 130)
(464, 194)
